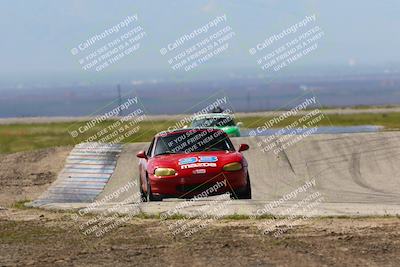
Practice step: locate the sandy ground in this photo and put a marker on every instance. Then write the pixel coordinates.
(43, 238)
(25, 175)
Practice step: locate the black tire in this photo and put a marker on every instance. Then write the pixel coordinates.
(143, 197)
(149, 195)
(244, 193)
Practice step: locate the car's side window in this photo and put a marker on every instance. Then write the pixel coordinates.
(150, 148)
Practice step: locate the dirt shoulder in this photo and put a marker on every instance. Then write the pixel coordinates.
(41, 238)
(25, 175)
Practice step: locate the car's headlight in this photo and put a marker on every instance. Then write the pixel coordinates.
(231, 167)
(164, 172)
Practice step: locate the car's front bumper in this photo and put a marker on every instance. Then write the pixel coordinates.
(198, 185)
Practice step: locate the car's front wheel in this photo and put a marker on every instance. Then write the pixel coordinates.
(143, 195)
(149, 195)
(243, 193)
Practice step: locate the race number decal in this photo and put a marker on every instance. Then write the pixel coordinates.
(198, 162)
(187, 161)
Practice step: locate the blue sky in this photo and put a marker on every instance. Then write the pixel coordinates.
(37, 36)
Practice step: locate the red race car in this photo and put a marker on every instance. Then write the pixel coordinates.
(189, 163)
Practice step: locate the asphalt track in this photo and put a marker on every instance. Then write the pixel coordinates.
(354, 174)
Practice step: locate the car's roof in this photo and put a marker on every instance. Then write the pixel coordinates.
(183, 130)
(212, 115)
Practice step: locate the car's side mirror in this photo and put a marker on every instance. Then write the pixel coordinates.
(239, 124)
(243, 147)
(141, 154)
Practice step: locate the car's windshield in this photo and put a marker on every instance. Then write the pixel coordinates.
(193, 141)
(213, 122)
